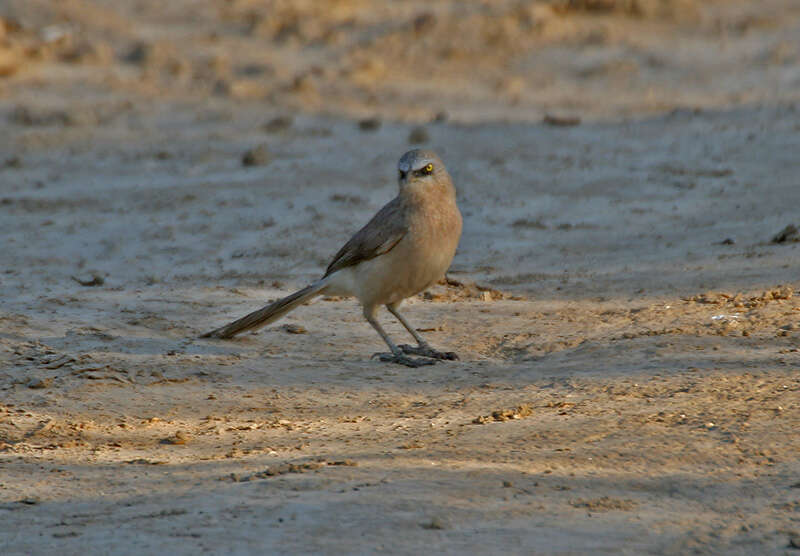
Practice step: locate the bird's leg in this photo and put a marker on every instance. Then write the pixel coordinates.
(397, 355)
(422, 348)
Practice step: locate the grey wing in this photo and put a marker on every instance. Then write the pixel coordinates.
(379, 236)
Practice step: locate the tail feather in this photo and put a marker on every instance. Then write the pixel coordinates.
(268, 314)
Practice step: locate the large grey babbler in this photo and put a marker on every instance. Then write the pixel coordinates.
(406, 247)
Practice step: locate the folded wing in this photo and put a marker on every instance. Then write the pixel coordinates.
(379, 236)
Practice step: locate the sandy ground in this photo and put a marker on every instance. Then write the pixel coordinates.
(628, 327)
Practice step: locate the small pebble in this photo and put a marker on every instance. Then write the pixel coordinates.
(434, 523)
(13, 162)
(37, 383)
(276, 125)
(294, 329)
(179, 438)
(258, 156)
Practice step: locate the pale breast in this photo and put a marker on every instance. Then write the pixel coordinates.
(415, 263)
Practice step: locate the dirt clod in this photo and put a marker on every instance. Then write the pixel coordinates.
(38, 383)
(369, 124)
(519, 412)
(561, 121)
(418, 135)
(604, 504)
(790, 234)
(95, 280)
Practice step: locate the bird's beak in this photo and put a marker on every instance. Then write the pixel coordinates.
(401, 176)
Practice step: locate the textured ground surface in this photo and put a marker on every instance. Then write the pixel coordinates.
(628, 328)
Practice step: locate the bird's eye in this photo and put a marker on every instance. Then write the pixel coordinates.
(428, 169)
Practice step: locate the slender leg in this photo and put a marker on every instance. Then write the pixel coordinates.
(422, 348)
(393, 310)
(397, 355)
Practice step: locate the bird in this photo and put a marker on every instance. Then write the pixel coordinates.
(405, 248)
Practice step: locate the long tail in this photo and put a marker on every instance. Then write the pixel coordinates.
(268, 314)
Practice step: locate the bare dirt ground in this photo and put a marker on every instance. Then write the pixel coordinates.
(623, 300)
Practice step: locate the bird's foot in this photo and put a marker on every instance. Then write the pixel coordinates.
(427, 351)
(401, 359)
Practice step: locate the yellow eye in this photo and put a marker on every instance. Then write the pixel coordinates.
(428, 169)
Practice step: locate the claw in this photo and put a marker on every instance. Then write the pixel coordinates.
(428, 351)
(401, 359)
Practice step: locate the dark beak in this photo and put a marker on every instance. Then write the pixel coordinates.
(402, 175)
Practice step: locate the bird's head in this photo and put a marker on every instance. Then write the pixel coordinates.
(421, 169)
